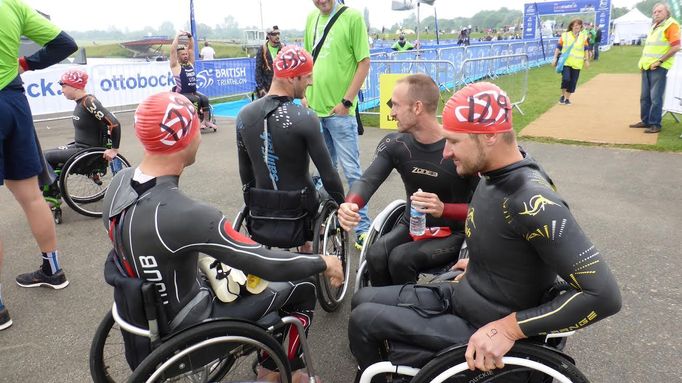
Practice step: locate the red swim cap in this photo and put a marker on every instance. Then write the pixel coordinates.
(75, 78)
(478, 108)
(166, 122)
(292, 61)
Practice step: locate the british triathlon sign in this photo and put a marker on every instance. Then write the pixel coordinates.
(533, 11)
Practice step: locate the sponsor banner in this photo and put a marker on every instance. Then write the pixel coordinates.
(600, 8)
(43, 91)
(386, 84)
(216, 78)
(129, 83)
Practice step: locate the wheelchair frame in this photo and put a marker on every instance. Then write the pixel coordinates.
(81, 182)
(328, 239)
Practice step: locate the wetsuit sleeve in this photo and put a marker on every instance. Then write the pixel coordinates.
(94, 107)
(549, 227)
(322, 160)
(458, 211)
(209, 232)
(245, 171)
(52, 53)
(377, 172)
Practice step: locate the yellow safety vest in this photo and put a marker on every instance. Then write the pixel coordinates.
(577, 55)
(656, 46)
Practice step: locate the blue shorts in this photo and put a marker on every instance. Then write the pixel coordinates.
(19, 154)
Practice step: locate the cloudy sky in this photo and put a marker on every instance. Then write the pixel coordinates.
(79, 15)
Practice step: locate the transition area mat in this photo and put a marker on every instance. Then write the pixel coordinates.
(601, 110)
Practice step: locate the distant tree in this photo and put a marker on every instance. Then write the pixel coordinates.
(647, 6)
(166, 29)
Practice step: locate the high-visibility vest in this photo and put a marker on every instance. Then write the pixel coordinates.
(656, 46)
(577, 55)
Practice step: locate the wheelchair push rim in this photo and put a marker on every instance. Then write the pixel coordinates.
(85, 178)
(333, 241)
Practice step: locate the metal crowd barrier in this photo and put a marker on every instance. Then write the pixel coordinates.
(509, 72)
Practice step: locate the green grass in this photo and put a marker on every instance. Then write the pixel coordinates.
(542, 95)
(116, 50)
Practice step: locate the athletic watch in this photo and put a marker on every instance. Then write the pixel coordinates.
(346, 103)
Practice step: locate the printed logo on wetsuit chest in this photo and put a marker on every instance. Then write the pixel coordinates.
(426, 172)
(536, 204)
(151, 273)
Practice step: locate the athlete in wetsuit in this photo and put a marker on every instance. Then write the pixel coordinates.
(182, 67)
(416, 152)
(520, 235)
(92, 122)
(141, 211)
(293, 133)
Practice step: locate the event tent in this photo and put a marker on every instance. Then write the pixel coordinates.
(630, 27)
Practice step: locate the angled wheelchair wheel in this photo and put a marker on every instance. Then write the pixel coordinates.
(330, 239)
(220, 350)
(384, 223)
(239, 222)
(525, 363)
(85, 178)
(107, 353)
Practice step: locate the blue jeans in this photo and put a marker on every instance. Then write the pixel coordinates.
(341, 135)
(651, 99)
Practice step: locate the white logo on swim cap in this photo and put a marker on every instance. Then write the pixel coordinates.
(479, 108)
(178, 111)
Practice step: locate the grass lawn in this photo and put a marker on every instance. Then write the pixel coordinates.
(543, 91)
(222, 50)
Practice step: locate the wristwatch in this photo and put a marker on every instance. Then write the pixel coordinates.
(346, 103)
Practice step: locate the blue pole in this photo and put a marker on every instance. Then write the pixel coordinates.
(193, 29)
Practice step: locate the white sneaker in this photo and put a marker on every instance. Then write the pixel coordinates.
(218, 275)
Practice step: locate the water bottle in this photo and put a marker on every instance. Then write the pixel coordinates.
(417, 220)
(116, 165)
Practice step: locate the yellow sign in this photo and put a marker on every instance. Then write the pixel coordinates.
(386, 85)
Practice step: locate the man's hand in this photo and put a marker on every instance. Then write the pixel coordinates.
(334, 270)
(429, 203)
(348, 215)
(339, 110)
(491, 342)
(460, 265)
(21, 69)
(653, 66)
(554, 62)
(110, 154)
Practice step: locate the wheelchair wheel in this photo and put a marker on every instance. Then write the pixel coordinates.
(239, 222)
(221, 350)
(390, 220)
(84, 180)
(107, 353)
(527, 363)
(330, 239)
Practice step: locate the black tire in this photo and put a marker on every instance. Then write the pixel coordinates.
(107, 353)
(225, 351)
(330, 239)
(84, 180)
(510, 373)
(239, 224)
(390, 222)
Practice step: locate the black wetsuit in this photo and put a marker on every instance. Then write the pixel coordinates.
(152, 244)
(93, 125)
(395, 258)
(520, 235)
(294, 137)
(186, 84)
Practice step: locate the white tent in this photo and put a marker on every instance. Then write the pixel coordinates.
(630, 27)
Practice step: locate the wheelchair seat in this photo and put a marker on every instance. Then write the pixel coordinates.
(328, 238)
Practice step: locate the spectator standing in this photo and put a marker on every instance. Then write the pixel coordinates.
(658, 55)
(20, 158)
(341, 65)
(597, 42)
(207, 52)
(402, 45)
(266, 53)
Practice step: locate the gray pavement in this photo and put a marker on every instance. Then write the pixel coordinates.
(629, 203)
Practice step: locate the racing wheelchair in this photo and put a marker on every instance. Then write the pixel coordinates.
(384, 222)
(328, 238)
(82, 182)
(214, 350)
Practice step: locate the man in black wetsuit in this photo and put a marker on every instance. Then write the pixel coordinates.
(416, 152)
(520, 235)
(142, 213)
(291, 133)
(182, 67)
(92, 122)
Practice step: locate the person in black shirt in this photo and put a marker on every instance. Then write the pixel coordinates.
(264, 57)
(141, 211)
(520, 235)
(416, 152)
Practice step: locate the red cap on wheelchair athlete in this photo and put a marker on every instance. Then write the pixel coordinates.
(166, 122)
(478, 108)
(292, 61)
(74, 78)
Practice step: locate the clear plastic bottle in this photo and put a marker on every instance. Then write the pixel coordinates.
(417, 220)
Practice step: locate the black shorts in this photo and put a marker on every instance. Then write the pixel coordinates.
(19, 155)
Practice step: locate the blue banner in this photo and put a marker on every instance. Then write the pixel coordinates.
(226, 77)
(533, 11)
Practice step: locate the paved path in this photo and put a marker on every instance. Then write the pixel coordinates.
(628, 202)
